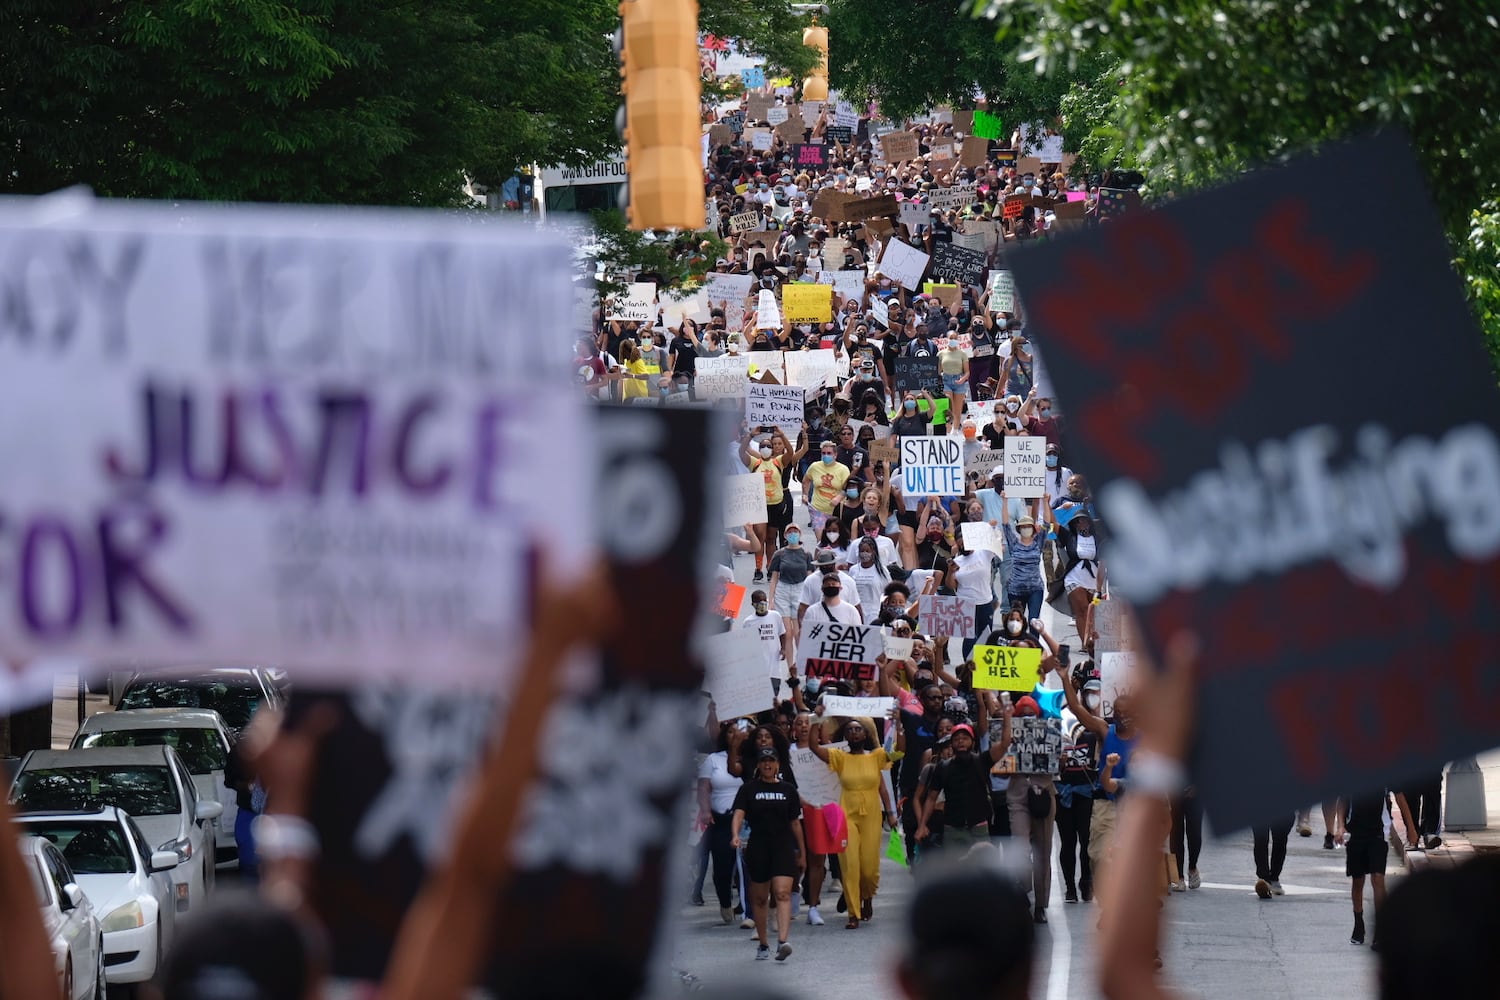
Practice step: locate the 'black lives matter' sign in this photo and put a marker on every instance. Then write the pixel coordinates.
(1230, 385)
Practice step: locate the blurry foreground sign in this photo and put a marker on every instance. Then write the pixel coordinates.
(293, 437)
(1234, 381)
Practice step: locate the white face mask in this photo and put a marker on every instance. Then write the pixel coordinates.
(765, 452)
(833, 536)
(1026, 533)
(1013, 407)
(1013, 627)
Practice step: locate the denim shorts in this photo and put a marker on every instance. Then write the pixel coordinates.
(952, 385)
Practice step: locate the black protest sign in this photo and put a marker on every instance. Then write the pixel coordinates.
(809, 155)
(1329, 550)
(1036, 747)
(956, 265)
(916, 374)
(386, 778)
(839, 133)
(840, 652)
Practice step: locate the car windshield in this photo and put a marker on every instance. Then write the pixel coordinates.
(235, 702)
(200, 749)
(139, 790)
(91, 847)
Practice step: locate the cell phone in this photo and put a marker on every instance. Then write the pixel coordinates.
(1064, 652)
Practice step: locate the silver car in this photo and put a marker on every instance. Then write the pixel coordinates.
(68, 916)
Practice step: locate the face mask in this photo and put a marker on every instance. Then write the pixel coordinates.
(760, 607)
(866, 557)
(793, 539)
(765, 453)
(1091, 701)
(872, 532)
(1002, 323)
(832, 536)
(830, 591)
(1044, 413)
(852, 494)
(1013, 627)
(910, 404)
(827, 459)
(1051, 461)
(969, 433)
(1026, 534)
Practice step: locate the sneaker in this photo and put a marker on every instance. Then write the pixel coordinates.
(697, 899)
(1194, 880)
(1276, 888)
(1263, 888)
(726, 915)
(748, 924)
(1071, 896)
(1327, 841)
(1358, 935)
(1304, 828)
(762, 952)
(760, 577)
(1433, 843)
(1179, 886)
(1086, 890)
(782, 951)
(814, 917)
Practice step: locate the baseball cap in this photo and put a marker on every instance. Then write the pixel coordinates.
(766, 753)
(964, 727)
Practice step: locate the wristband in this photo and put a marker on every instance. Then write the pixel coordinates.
(1156, 774)
(284, 836)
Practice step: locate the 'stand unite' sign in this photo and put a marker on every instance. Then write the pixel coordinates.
(932, 466)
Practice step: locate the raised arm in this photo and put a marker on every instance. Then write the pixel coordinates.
(1088, 719)
(998, 750)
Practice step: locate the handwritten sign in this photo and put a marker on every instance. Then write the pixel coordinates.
(1002, 291)
(813, 370)
(802, 302)
(899, 147)
(932, 466)
(775, 406)
(915, 216)
(735, 673)
(903, 264)
(1016, 205)
(982, 536)
(841, 134)
(744, 500)
(849, 284)
(1007, 668)
(842, 652)
(1116, 677)
(956, 265)
(859, 209)
(898, 647)
(1117, 201)
(1114, 626)
(1026, 466)
(777, 113)
(767, 312)
(333, 437)
(722, 377)
(875, 708)
(918, 374)
(745, 222)
(809, 155)
(985, 460)
(975, 151)
(817, 784)
(950, 616)
(638, 305)
(945, 199)
(730, 289)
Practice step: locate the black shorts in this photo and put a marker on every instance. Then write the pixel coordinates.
(907, 519)
(779, 515)
(1365, 856)
(771, 859)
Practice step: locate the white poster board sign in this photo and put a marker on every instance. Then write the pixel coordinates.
(775, 406)
(734, 667)
(932, 466)
(372, 504)
(722, 377)
(848, 284)
(1026, 466)
(817, 784)
(903, 264)
(898, 647)
(875, 708)
(637, 305)
(1116, 677)
(729, 289)
(981, 535)
(813, 370)
(744, 500)
(1002, 292)
(767, 312)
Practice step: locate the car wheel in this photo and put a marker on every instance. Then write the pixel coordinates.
(101, 988)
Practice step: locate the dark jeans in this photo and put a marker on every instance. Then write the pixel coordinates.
(1426, 801)
(1033, 599)
(1073, 832)
(983, 616)
(999, 816)
(1273, 836)
(720, 839)
(1187, 822)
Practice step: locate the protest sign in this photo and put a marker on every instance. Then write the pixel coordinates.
(882, 450)
(1007, 668)
(860, 209)
(736, 121)
(1113, 626)
(817, 783)
(777, 113)
(730, 599)
(932, 466)
(988, 126)
(813, 370)
(775, 406)
(841, 134)
(722, 377)
(917, 374)
(1045, 145)
(914, 216)
(880, 312)
(1279, 294)
(638, 305)
(945, 199)
(805, 155)
(761, 139)
(963, 122)
(845, 113)
(981, 535)
(1026, 466)
(826, 204)
(1016, 205)
(735, 673)
(1036, 747)
(878, 230)
(1117, 201)
(744, 500)
(757, 107)
(811, 112)
(744, 222)
(767, 312)
(976, 241)
(1002, 291)
(981, 411)
(803, 302)
(233, 466)
(753, 77)
(986, 460)
(1116, 677)
(720, 134)
(950, 616)
(903, 264)
(946, 294)
(975, 151)
(898, 647)
(899, 147)
(849, 284)
(791, 130)
(956, 265)
(838, 705)
(675, 310)
(842, 652)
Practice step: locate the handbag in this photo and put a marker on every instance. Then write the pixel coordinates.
(1038, 801)
(827, 829)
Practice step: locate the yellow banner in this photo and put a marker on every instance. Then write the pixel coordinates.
(1007, 668)
(802, 302)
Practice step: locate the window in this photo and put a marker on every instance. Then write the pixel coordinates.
(90, 847)
(235, 702)
(138, 790)
(200, 749)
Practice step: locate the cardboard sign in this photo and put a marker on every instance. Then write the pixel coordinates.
(860, 209)
(1116, 677)
(638, 305)
(218, 464)
(744, 500)
(722, 377)
(826, 204)
(1026, 466)
(917, 374)
(899, 147)
(812, 370)
(807, 155)
(1118, 201)
(945, 199)
(840, 705)
(775, 406)
(956, 265)
(1017, 204)
(975, 151)
(1002, 292)
(1281, 294)
(981, 535)
(988, 126)
(963, 122)
(1113, 626)
(1007, 668)
(903, 264)
(743, 223)
(950, 616)
(757, 106)
(803, 302)
(883, 450)
(735, 673)
(1036, 747)
(761, 139)
(946, 294)
(932, 466)
(986, 460)
(720, 134)
(791, 131)
(842, 652)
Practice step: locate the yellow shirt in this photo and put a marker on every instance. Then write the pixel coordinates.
(951, 361)
(859, 774)
(828, 484)
(770, 468)
(637, 388)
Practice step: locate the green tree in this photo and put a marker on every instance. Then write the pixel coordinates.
(769, 28)
(1208, 87)
(349, 101)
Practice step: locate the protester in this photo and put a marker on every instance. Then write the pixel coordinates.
(775, 855)
(865, 803)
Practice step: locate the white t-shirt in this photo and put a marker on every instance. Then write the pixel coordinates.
(885, 551)
(770, 628)
(722, 786)
(1083, 574)
(843, 612)
(870, 583)
(812, 589)
(974, 577)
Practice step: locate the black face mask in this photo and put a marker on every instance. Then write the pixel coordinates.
(831, 591)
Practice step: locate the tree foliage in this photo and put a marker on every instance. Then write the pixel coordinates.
(674, 261)
(1209, 87)
(350, 101)
(769, 28)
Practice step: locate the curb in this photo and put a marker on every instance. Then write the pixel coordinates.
(1455, 851)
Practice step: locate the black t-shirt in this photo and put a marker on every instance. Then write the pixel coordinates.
(921, 734)
(770, 809)
(965, 781)
(685, 356)
(1365, 817)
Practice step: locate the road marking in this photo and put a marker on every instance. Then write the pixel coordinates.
(1291, 890)
(1062, 944)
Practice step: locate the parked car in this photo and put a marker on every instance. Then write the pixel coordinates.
(71, 923)
(236, 693)
(200, 738)
(150, 783)
(128, 883)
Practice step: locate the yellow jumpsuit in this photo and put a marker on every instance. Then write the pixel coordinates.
(859, 774)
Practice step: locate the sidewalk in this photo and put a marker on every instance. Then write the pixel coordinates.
(1460, 847)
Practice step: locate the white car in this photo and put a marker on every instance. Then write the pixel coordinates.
(70, 920)
(149, 783)
(200, 738)
(129, 885)
(236, 693)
